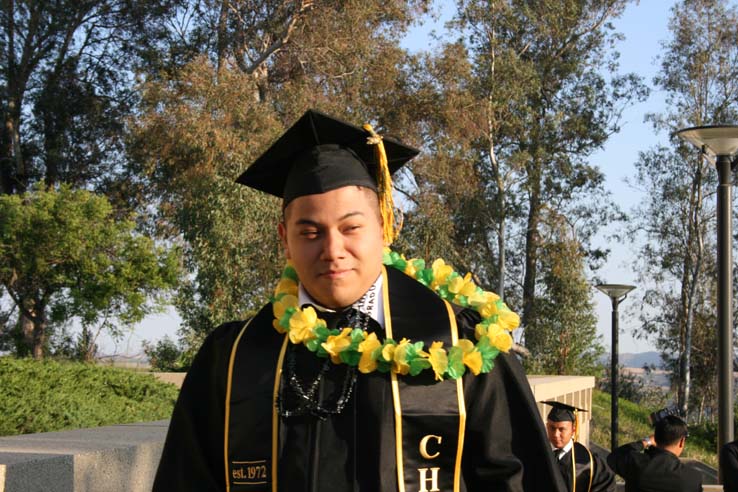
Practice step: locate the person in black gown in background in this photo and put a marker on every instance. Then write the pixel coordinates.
(582, 470)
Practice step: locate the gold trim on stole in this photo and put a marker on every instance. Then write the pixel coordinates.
(229, 381)
(275, 414)
(396, 394)
(395, 387)
(460, 397)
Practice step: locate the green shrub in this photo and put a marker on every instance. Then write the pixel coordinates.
(48, 395)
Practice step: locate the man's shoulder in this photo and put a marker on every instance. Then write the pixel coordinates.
(227, 332)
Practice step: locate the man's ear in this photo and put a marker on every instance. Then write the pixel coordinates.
(682, 442)
(282, 231)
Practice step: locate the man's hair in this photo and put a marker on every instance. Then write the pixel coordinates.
(367, 191)
(669, 430)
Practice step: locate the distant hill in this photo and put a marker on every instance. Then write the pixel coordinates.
(636, 360)
(640, 359)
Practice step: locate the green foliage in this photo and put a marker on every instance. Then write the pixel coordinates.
(563, 337)
(165, 355)
(43, 396)
(63, 255)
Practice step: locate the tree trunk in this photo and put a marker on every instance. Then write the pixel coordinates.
(532, 240)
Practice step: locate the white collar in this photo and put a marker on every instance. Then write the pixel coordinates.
(565, 449)
(370, 303)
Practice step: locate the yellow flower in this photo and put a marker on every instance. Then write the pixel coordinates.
(283, 304)
(367, 364)
(477, 299)
(277, 326)
(480, 331)
(489, 309)
(499, 337)
(399, 359)
(462, 286)
(410, 269)
(472, 357)
(335, 344)
(301, 325)
(388, 352)
(286, 286)
(441, 271)
(438, 359)
(508, 320)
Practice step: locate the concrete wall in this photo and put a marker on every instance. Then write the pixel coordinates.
(118, 458)
(123, 458)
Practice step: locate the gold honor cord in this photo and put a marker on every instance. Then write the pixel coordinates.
(229, 382)
(591, 469)
(462, 404)
(395, 386)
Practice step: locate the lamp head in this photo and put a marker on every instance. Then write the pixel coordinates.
(713, 140)
(615, 291)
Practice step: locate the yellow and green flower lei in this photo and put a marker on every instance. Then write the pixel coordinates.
(356, 347)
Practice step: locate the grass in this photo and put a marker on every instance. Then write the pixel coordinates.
(633, 425)
(44, 396)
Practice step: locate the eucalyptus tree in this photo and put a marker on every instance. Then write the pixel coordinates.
(699, 74)
(517, 103)
(253, 68)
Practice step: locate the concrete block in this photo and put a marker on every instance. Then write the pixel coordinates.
(119, 458)
(34, 472)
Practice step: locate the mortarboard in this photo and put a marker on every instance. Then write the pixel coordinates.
(561, 412)
(319, 153)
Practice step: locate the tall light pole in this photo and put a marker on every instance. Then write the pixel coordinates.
(719, 144)
(616, 293)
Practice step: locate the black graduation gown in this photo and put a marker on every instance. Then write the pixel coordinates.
(653, 470)
(588, 467)
(505, 446)
(729, 466)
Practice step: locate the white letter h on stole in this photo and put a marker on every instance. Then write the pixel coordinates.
(433, 479)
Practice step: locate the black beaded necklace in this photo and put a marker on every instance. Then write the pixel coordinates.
(309, 401)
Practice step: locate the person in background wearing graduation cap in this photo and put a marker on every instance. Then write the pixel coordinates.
(582, 470)
(652, 464)
(367, 371)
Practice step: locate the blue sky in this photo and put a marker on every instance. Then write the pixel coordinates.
(644, 26)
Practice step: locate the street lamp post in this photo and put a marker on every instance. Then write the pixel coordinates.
(720, 145)
(616, 293)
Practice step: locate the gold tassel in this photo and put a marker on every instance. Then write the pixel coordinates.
(384, 188)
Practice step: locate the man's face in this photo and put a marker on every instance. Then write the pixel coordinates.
(559, 433)
(334, 239)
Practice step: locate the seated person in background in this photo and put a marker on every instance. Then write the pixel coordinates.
(653, 465)
(582, 471)
(729, 465)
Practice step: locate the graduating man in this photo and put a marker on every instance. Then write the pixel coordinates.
(360, 374)
(582, 470)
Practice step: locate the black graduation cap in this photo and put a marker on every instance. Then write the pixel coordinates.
(320, 153)
(561, 412)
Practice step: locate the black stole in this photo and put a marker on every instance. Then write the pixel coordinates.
(429, 415)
